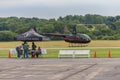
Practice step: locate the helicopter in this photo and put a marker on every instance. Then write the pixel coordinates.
(75, 37)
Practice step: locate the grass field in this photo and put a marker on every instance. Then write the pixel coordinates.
(100, 46)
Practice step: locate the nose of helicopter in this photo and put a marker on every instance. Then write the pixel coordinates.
(89, 39)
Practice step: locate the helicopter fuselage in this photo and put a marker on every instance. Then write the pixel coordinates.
(79, 38)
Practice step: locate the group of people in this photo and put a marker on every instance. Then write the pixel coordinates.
(35, 52)
(25, 48)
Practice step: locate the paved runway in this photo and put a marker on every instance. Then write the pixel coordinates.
(60, 69)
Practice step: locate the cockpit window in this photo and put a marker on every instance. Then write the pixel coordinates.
(84, 36)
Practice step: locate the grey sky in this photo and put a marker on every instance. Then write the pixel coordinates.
(57, 8)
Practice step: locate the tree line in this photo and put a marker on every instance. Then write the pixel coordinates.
(101, 27)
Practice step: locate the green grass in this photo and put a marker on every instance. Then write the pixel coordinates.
(100, 46)
(103, 53)
(53, 53)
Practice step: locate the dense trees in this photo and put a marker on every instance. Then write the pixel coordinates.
(107, 27)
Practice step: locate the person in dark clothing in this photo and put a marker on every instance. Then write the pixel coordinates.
(33, 52)
(33, 46)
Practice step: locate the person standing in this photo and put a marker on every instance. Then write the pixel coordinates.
(18, 49)
(33, 46)
(33, 50)
(25, 48)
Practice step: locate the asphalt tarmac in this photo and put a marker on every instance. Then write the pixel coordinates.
(60, 69)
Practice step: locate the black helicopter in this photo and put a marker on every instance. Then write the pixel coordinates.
(72, 38)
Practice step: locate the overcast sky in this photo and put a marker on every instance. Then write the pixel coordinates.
(56, 8)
